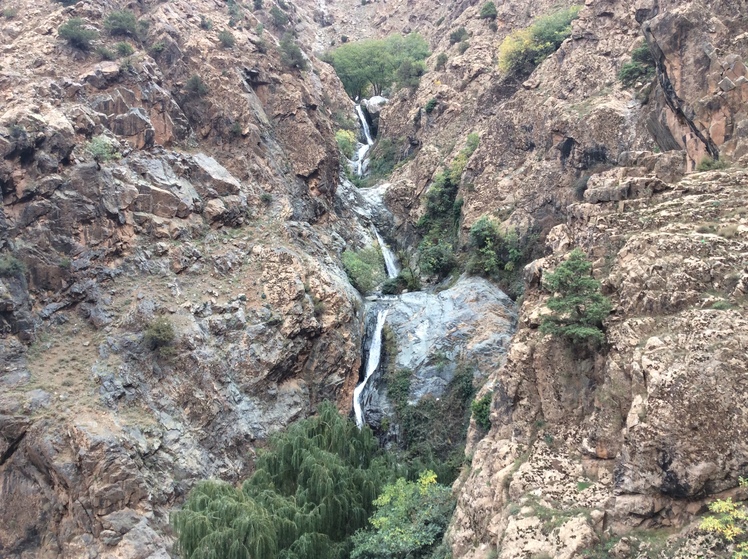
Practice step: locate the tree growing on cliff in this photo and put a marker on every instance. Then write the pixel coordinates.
(577, 306)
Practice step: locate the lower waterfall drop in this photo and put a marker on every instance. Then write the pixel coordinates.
(372, 363)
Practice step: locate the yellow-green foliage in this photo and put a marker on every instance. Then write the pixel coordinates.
(524, 49)
(730, 522)
(365, 268)
(346, 142)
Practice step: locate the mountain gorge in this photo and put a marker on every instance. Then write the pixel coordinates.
(173, 286)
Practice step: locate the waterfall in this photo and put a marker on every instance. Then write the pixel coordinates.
(372, 363)
(364, 149)
(390, 260)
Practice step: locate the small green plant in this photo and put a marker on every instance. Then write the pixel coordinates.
(227, 39)
(458, 35)
(431, 105)
(721, 305)
(10, 266)
(157, 48)
(266, 198)
(124, 49)
(236, 129)
(206, 23)
(577, 306)
(346, 140)
(106, 54)
(196, 87)
(524, 49)
(74, 31)
(481, 409)
(441, 61)
(101, 149)
(463, 46)
(280, 19)
(488, 11)
(640, 68)
(730, 522)
(122, 22)
(159, 333)
(710, 164)
(10, 13)
(291, 54)
(365, 268)
(582, 485)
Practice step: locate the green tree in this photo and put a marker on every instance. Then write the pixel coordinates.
(410, 520)
(730, 522)
(291, 54)
(488, 11)
(577, 306)
(76, 34)
(311, 490)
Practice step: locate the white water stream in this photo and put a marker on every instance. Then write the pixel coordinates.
(375, 353)
(390, 260)
(364, 149)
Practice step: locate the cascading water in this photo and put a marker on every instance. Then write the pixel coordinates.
(372, 363)
(364, 149)
(390, 260)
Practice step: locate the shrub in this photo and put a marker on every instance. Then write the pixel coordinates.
(409, 73)
(463, 46)
(10, 13)
(257, 4)
(76, 34)
(365, 268)
(431, 105)
(196, 87)
(280, 19)
(346, 142)
(158, 48)
(206, 23)
(105, 53)
(122, 22)
(488, 11)
(124, 49)
(524, 49)
(459, 35)
(266, 198)
(67, 2)
(159, 333)
(441, 61)
(101, 149)
(438, 259)
(640, 68)
(577, 306)
(291, 54)
(709, 164)
(227, 39)
(730, 523)
(10, 266)
(481, 410)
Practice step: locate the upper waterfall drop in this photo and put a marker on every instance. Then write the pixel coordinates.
(364, 149)
(372, 363)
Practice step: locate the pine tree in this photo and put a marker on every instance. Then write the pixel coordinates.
(578, 308)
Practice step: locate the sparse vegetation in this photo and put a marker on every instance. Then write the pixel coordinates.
(266, 198)
(365, 268)
(122, 22)
(10, 266)
(257, 4)
(640, 68)
(488, 11)
(463, 46)
(481, 410)
(291, 54)
(346, 142)
(102, 149)
(280, 19)
(124, 49)
(577, 306)
(196, 87)
(441, 61)
(75, 32)
(206, 23)
(709, 164)
(159, 333)
(458, 35)
(227, 39)
(431, 105)
(10, 13)
(524, 49)
(492, 252)
(106, 53)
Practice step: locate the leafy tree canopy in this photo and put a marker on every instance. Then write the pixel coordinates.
(374, 64)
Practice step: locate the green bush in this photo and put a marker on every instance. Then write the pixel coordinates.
(577, 306)
(196, 87)
(377, 63)
(311, 490)
(709, 164)
(441, 61)
(488, 11)
(206, 23)
(102, 149)
(640, 68)
(10, 266)
(291, 54)
(431, 105)
(524, 49)
(124, 49)
(458, 35)
(159, 333)
(76, 34)
(227, 39)
(437, 259)
(122, 22)
(481, 410)
(410, 520)
(10, 13)
(266, 198)
(106, 54)
(346, 142)
(280, 19)
(157, 48)
(365, 268)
